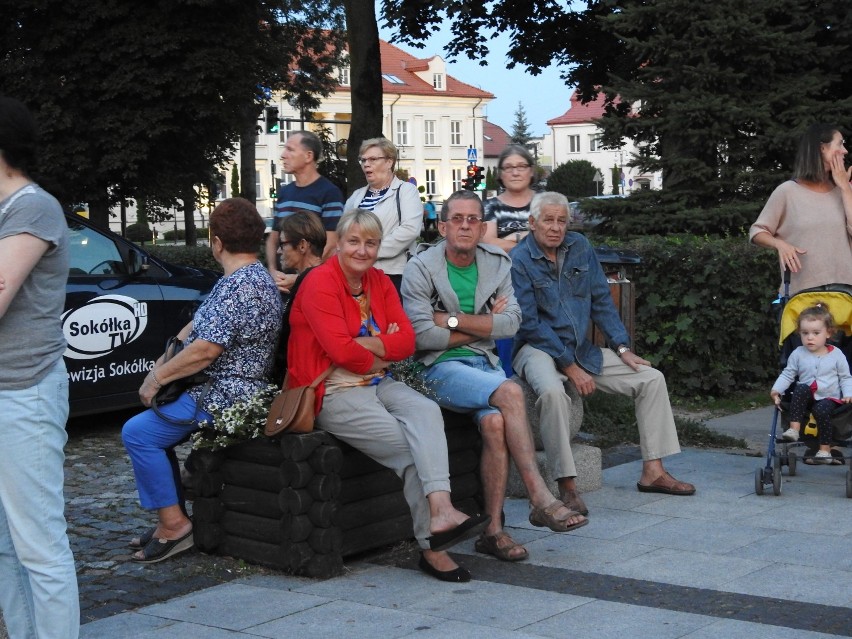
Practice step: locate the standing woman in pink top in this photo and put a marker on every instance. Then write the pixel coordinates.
(808, 219)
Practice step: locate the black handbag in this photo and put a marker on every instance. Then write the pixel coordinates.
(169, 392)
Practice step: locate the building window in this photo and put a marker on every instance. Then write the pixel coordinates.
(594, 143)
(392, 78)
(429, 132)
(573, 144)
(438, 81)
(343, 76)
(457, 180)
(257, 188)
(455, 133)
(286, 128)
(431, 182)
(402, 133)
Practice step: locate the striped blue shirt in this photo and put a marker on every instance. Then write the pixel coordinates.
(321, 197)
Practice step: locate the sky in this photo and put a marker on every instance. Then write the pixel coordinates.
(544, 96)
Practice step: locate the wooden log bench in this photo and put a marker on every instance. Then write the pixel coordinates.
(304, 502)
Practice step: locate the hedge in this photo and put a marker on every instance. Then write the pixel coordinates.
(703, 313)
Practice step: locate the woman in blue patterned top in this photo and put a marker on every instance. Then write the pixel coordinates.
(231, 338)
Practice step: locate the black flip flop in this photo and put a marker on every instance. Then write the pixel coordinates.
(160, 549)
(469, 528)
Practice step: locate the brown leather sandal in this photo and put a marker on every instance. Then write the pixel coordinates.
(501, 546)
(546, 517)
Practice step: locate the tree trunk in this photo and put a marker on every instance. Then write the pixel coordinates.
(365, 74)
(99, 211)
(189, 215)
(248, 138)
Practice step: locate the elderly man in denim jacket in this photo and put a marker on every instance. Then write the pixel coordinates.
(561, 289)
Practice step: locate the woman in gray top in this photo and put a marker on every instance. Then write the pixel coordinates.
(38, 583)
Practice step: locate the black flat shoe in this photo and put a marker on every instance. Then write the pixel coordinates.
(458, 575)
(469, 528)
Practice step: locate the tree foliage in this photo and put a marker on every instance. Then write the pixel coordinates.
(715, 95)
(146, 99)
(574, 179)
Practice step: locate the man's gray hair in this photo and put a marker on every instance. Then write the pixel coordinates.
(461, 194)
(548, 198)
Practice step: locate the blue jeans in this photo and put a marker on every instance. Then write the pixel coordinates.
(38, 582)
(464, 385)
(149, 439)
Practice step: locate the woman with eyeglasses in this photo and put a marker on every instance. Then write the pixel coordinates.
(301, 244)
(396, 203)
(507, 215)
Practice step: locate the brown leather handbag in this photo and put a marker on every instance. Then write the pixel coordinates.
(292, 410)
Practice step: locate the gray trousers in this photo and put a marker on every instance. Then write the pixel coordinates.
(647, 387)
(402, 430)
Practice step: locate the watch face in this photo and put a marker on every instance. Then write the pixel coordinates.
(453, 322)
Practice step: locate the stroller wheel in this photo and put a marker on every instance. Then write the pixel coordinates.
(791, 463)
(776, 480)
(758, 482)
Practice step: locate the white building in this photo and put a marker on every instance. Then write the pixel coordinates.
(434, 120)
(575, 136)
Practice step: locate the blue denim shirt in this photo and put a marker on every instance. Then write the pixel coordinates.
(557, 310)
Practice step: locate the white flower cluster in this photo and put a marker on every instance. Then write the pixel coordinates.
(241, 422)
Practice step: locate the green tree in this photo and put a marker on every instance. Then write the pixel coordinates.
(490, 180)
(723, 89)
(574, 179)
(521, 128)
(235, 181)
(145, 99)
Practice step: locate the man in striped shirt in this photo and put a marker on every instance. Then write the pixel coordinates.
(310, 191)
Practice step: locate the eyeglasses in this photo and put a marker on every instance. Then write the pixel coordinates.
(363, 161)
(458, 220)
(284, 243)
(514, 167)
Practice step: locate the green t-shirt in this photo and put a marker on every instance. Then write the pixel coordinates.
(463, 279)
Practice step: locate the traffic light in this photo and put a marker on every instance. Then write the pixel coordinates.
(272, 120)
(469, 183)
(477, 176)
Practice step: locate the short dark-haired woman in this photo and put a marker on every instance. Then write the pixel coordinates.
(231, 338)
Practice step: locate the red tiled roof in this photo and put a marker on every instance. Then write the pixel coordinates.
(580, 113)
(495, 139)
(397, 62)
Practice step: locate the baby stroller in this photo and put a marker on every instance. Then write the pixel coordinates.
(782, 453)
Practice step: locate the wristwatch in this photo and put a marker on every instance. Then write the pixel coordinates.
(621, 350)
(453, 321)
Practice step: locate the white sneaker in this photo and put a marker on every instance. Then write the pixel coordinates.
(823, 457)
(790, 435)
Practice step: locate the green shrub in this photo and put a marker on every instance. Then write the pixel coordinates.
(703, 313)
(197, 256)
(138, 233)
(178, 235)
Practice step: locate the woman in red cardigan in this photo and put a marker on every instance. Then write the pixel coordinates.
(348, 315)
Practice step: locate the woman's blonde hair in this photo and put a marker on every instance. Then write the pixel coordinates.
(367, 220)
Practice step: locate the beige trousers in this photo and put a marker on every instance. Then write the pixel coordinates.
(647, 387)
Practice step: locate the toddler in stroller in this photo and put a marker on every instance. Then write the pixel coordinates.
(817, 374)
